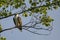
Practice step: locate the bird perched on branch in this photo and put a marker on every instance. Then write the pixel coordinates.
(17, 21)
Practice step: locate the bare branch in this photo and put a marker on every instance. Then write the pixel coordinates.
(35, 32)
(7, 29)
(24, 28)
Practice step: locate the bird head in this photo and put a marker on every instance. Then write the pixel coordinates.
(16, 15)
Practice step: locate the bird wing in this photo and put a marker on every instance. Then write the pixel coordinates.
(19, 21)
(14, 21)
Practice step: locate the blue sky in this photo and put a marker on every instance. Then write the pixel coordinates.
(15, 34)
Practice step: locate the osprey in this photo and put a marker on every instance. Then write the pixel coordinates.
(17, 21)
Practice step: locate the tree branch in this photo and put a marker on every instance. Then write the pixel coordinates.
(7, 29)
(29, 9)
(27, 29)
(35, 32)
(24, 28)
(24, 25)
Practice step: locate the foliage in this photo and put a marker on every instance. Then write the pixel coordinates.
(25, 14)
(18, 3)
(37, 6)
(0, 27)
(46, 20)
(2, 38)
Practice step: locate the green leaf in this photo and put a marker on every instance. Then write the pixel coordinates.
(55, 7)
(37, 10)
(46, 20)
(30, 1)
(4, 14)
(0, 5)
(47, 25)
(33, 4)
(0, 27)
(2, 38)
(30, 14)
(52, 19)
(25, 14)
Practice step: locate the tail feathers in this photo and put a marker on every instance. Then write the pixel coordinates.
(20, 29)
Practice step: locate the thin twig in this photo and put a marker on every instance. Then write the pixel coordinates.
(35, 32)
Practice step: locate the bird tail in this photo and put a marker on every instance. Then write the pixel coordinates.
(20, 29)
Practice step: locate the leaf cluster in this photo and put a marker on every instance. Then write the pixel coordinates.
(46, 20)
(2, 38)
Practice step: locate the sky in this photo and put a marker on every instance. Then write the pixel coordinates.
(15, 34)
